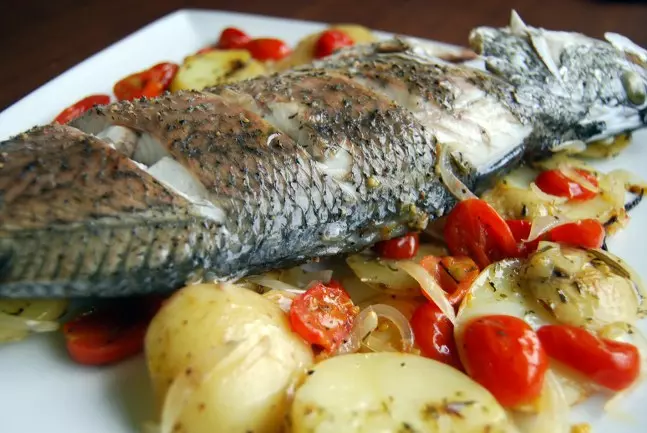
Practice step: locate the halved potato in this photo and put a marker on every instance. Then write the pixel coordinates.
(223, 358)
(393, 392)
(216, 67)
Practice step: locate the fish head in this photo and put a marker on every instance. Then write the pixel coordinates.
(603, 82)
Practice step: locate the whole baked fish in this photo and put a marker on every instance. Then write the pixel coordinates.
(280, 170)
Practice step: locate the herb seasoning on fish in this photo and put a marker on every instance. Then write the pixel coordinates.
(138, 197)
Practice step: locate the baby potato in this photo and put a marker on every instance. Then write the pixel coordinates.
(393, 392)
(216, 67)
(581, 288)
(227, 359)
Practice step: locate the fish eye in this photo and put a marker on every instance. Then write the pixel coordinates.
(634, 86)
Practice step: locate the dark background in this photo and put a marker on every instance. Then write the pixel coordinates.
(41, 39)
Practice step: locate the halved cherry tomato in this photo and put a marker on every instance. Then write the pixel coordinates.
(434, 334)
(403, 247)
(612, 364)
(331, 40)
(267, 49)
(454, 274)
(504, 354)
(554, 182)
(521, 231)
(233, 38)
(476, 230)
(77, 109)
(149, 83)
(323, 315)
(588, 233)
(110, 334)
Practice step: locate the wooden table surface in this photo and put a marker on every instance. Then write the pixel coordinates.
(41, 39)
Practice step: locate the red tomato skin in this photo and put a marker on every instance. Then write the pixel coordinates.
(264, 49)
(434, 335)
(159, 79)
(521, 231)
(77, 109)
(233, 38)
(149, 83)
(475, 229)
(110, 333)
(554, 182)
(331, 40)
(587, 233)
(504, 355)
(404, 247)
(311, 312)
(612, 364)
(105, 352)
(456, 284)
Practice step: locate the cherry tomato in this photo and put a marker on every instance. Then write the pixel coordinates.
(521, 231)
(77, 109)
(403, 247)
(503, 354)
(267, 49)
(434, 334)
(476, 230)
(232, 38)
(109, 334)
(323, 315)
(149, 83)
(454, 274)
(330, 41)
(554, 182)
(588, 233)
(612, 364)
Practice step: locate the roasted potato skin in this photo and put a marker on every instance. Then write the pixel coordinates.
(216, 67)
(243, 335)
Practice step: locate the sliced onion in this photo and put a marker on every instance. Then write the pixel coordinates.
(573, 175)
(621, 268)
(275, 284)
(281, 298)
(553, 415)
(544, 224)
(393, 315)
(239, 356)
(449, 179)
(546, 197)
(429, 285)
(365, 323)
(19, 323)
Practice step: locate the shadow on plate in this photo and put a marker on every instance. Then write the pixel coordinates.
(133, 393)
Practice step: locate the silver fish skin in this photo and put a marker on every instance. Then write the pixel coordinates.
(139, 197)
(586, 88)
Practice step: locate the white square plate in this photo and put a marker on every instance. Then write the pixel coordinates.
(41, 390)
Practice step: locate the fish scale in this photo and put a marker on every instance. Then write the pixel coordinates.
(283, 169)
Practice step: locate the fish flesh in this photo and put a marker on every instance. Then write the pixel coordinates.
(143, 196)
